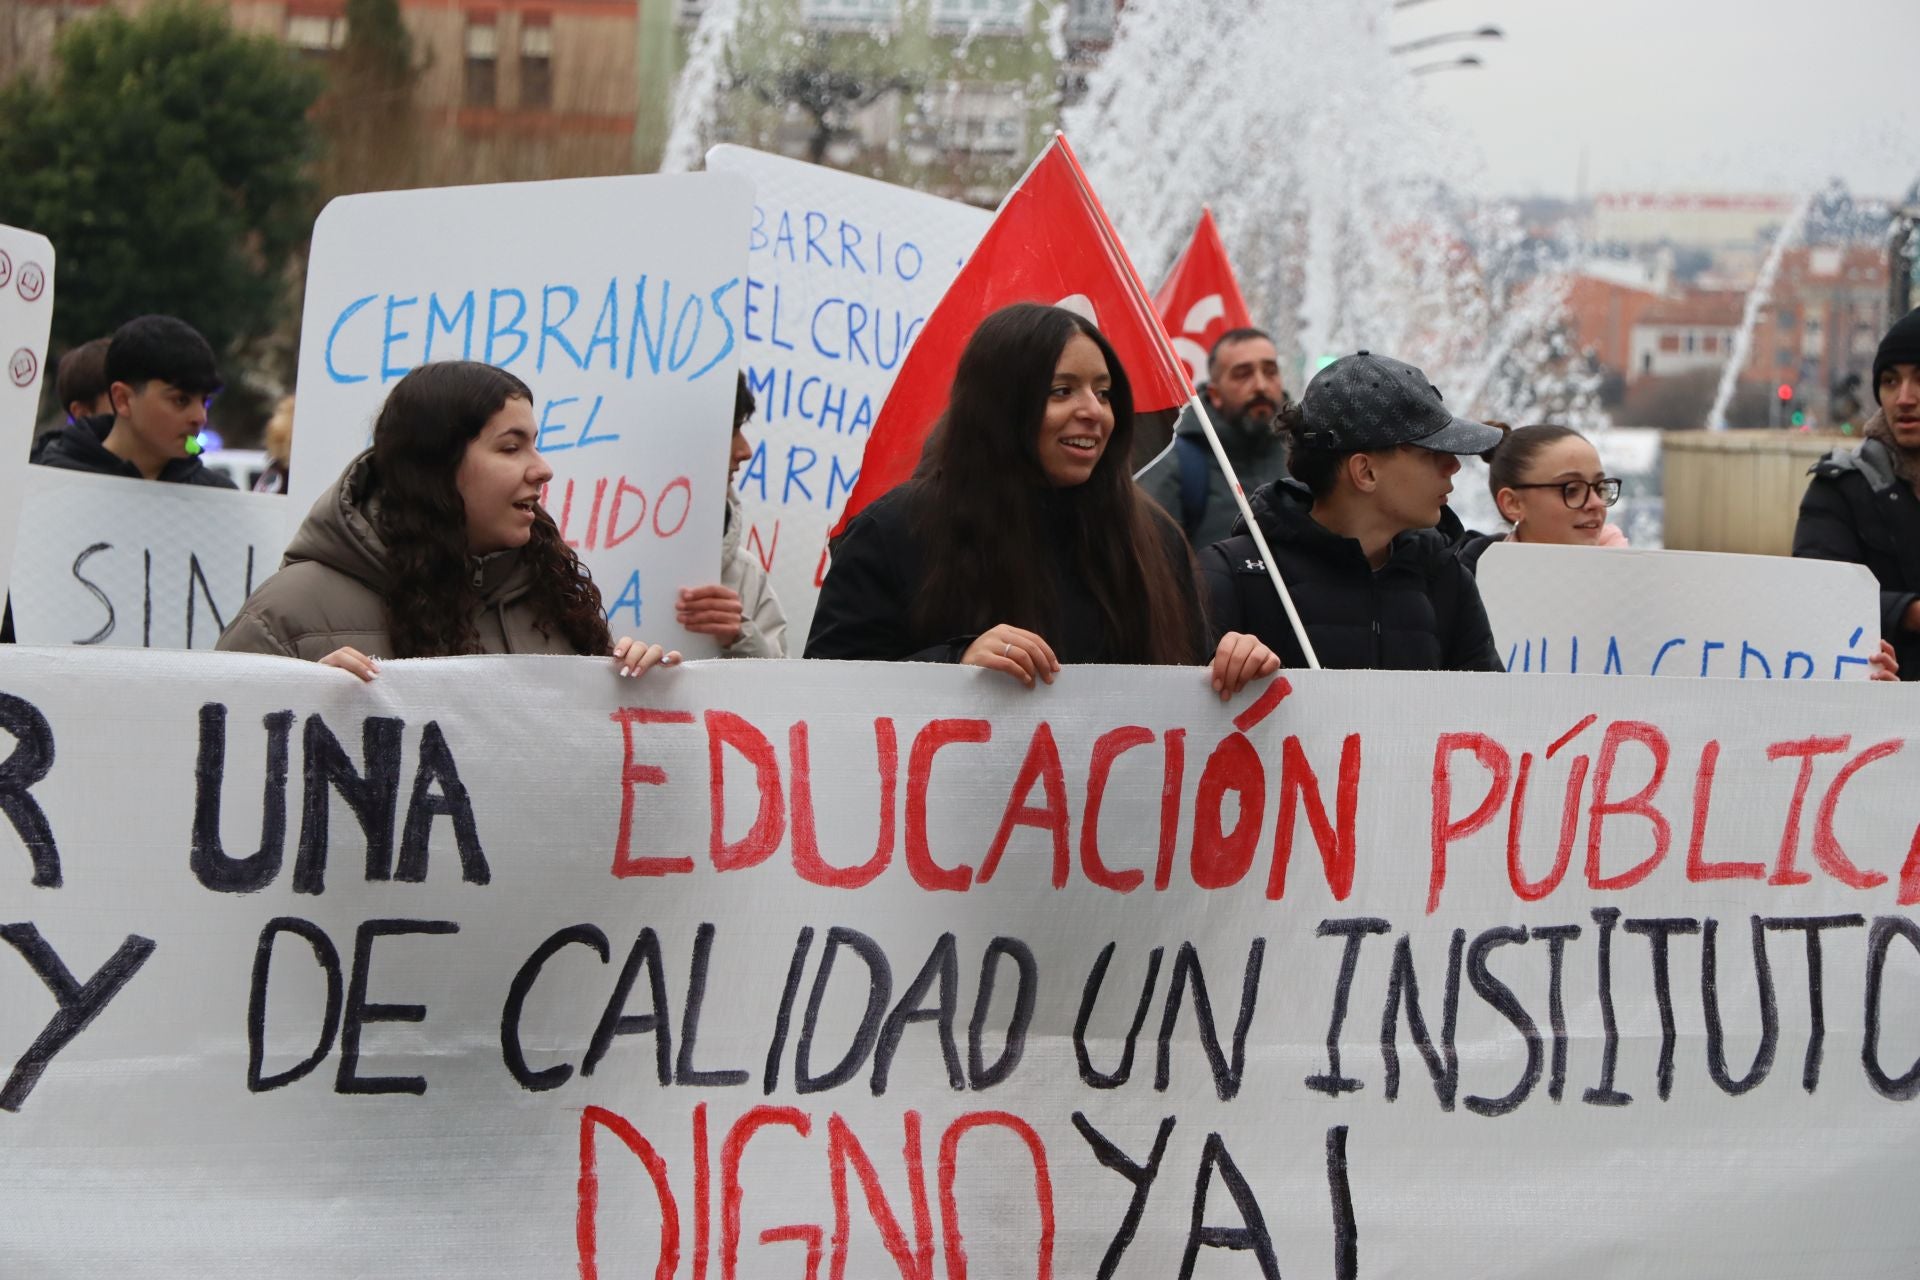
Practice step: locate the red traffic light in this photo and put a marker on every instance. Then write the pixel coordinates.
(1786, 391)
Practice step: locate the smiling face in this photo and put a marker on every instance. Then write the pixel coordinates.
(1899, 392)
(1079, 418)
(1542, 515)
(499, 481)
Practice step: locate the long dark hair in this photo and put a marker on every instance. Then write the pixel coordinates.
(419, 439)
(983, 513)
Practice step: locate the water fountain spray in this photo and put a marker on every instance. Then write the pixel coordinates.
(1757, 297)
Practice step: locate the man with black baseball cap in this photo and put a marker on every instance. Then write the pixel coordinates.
(1863, 505)
(160, 375)
(1374, 452)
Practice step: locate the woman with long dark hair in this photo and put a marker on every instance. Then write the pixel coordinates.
(1022, 542)
(433, 543)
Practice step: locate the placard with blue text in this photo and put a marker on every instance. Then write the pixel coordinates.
(1625, 611)
(619, 301)
(842, 272)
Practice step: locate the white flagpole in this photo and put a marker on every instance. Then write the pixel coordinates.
(1158, 332)
(1259, 538)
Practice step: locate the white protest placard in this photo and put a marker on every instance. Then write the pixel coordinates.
(1624, 611)
(617, 300)
(842, 273)
(510, 967)
(108, 560)
(26, 322)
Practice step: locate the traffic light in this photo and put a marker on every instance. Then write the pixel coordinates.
(1786, 392)
(1799, 418)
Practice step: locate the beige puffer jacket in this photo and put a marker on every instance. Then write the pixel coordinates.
(763, 623)
(329, 591)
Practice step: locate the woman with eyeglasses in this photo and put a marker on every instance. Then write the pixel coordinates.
(1549, 485)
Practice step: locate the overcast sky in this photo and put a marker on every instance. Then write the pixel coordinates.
(1682, 95)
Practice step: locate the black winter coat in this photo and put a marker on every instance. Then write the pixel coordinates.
(1857, 510)
(1472, 544)
(865, 609)
(80, 446)
(1420, 611)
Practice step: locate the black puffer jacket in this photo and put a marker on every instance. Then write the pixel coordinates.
(1858, 510)
(1472, 544)
(1420, 611)
(865, 609)
(80, 446)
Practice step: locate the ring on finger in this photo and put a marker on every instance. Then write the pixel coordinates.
(1006, 650)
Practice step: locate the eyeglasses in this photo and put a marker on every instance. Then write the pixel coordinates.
(1574, 492)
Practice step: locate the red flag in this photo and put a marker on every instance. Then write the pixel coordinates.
(1201, 299)
(1050, 242)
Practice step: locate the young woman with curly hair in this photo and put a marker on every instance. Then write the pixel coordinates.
(433, 543)
(1022, 542)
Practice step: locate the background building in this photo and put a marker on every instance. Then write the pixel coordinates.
(505, 88)
(952, 97)
(1659, 308)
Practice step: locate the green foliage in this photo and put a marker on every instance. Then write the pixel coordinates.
(166, 159)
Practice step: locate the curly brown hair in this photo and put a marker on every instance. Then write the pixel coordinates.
(419, 439)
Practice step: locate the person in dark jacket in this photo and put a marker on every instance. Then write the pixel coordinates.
(1022, 543)
(1352, 533)
(1244, 395)
(160, 376)
(1863, 505)
(80, 381)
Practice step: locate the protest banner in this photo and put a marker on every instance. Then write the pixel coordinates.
(506, 966)
(26, 322)
(842, 272)
(617, 300)
(1624, 611)
(111, 561)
